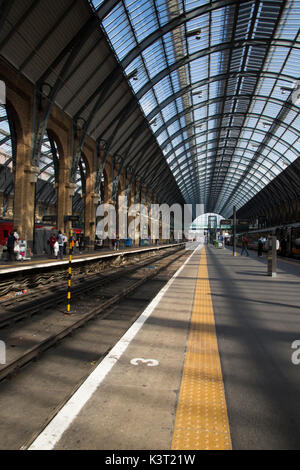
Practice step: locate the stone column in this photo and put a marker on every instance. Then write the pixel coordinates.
(24, 199)
(91, 202)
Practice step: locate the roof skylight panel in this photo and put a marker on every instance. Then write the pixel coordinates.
(212, 124)
(176, 141)
(174, 127)
(191, 4)
(237, 59)
(169, 39)
(185, 135)
(163, 11)
(243, 23)
(212, 109)
(183, 121)
(148, 102)
(289, 24)
(141, 76)
(291, 156)
(289, 118)
(215, 89)
(156, 122)
(169, 111)
(257, 106)
(142, 17)
(198, 41)
(265, 86)
(180, 160)
(163, 89)
(218, 26)
(167, 149)
(264, 23)
(281, 147)
(255, 57)
(177, 84)
(276, 58)
(215, 61)
(291, 138)
(281, 90)
(154, 58)
(296, 123)
(199, 69)
(179, 104)
(118, 29)
(200, 113)
(292, 66)
(272, 110)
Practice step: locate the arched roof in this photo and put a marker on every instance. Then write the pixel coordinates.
(217, 81)
(199, 97)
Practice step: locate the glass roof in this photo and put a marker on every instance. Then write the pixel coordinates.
(218, 85)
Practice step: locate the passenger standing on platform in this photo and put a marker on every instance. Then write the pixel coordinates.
(52, 241)
(56, 248)
(16, 235)
(245, 242)
(117, 243)
(80, 243)
(11, 247)
(260, 245)
(65, 244)
(61, 242)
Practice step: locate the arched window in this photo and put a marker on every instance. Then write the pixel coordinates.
(78, 198)
(46, 187)
(8, 150)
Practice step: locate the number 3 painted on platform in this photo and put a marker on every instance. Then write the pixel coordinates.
(149, 362)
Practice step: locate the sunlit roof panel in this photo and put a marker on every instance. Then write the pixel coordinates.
(234, 99)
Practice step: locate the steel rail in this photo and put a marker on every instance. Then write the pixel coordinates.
(33, 353)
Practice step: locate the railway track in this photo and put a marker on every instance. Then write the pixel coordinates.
(28, 305)
(108, 295)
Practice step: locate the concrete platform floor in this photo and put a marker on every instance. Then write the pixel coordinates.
(135, 402)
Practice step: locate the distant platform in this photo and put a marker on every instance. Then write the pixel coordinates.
(17, 266)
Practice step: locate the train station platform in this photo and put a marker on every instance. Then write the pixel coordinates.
(208, 365)
(44, 261)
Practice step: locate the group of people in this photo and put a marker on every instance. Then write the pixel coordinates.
(58, 244)
(260, 245)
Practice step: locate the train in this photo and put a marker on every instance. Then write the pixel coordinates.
(42, 233)
(288, 236)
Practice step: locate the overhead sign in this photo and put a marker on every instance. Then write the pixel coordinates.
(225, 223)
(49, 218)
(243, 221)
(71, 218)
(242, 225)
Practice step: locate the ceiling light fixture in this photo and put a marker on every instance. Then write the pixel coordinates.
(133, 75)
(194, 33)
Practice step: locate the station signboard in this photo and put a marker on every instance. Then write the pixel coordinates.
(226, 223)
(242, 225)
(49, 218)
(71, 218)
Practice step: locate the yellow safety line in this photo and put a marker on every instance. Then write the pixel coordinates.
(201, 417)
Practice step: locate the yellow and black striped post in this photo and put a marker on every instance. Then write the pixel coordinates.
(71, 244)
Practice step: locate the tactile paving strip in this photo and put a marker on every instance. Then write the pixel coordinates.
(201, 418)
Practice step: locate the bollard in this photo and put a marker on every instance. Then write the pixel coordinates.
(272, 256)
(71, 244)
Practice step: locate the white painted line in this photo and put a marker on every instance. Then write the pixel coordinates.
(60, 423)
